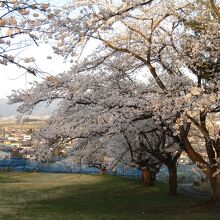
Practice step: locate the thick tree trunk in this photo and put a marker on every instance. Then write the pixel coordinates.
(172, 179)
(147, 177)
(215, 184)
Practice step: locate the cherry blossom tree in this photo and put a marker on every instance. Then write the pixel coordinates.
(175, 43)
(177, 38)
(20, 25)
(102, 116)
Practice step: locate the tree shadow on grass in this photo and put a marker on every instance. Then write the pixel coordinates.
(107, 198)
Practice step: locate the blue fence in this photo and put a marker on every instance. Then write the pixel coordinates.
(186, 173)
(20, 164)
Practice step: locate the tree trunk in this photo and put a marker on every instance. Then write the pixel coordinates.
(102, 170)
(153, 174)
(215, 184)
(147, 177)
(172, 179)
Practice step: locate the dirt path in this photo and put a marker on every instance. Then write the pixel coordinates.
(187, 189)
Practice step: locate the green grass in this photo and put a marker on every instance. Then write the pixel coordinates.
(41, 196)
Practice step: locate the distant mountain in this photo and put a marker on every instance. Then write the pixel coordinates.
(7, 110)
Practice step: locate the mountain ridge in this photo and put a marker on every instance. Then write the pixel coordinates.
(7, 110)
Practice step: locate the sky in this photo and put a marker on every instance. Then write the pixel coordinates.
(13, 78)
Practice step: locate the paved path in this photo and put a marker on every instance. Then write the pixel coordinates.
(187, 189)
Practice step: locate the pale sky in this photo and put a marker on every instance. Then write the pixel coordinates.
(12, 78)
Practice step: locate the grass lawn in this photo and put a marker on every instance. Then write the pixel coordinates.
(43, 196)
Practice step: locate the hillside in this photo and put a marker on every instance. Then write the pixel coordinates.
(47, 196)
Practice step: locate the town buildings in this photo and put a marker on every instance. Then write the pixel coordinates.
(16, 142)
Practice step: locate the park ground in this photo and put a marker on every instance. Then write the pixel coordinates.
(43, 196)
